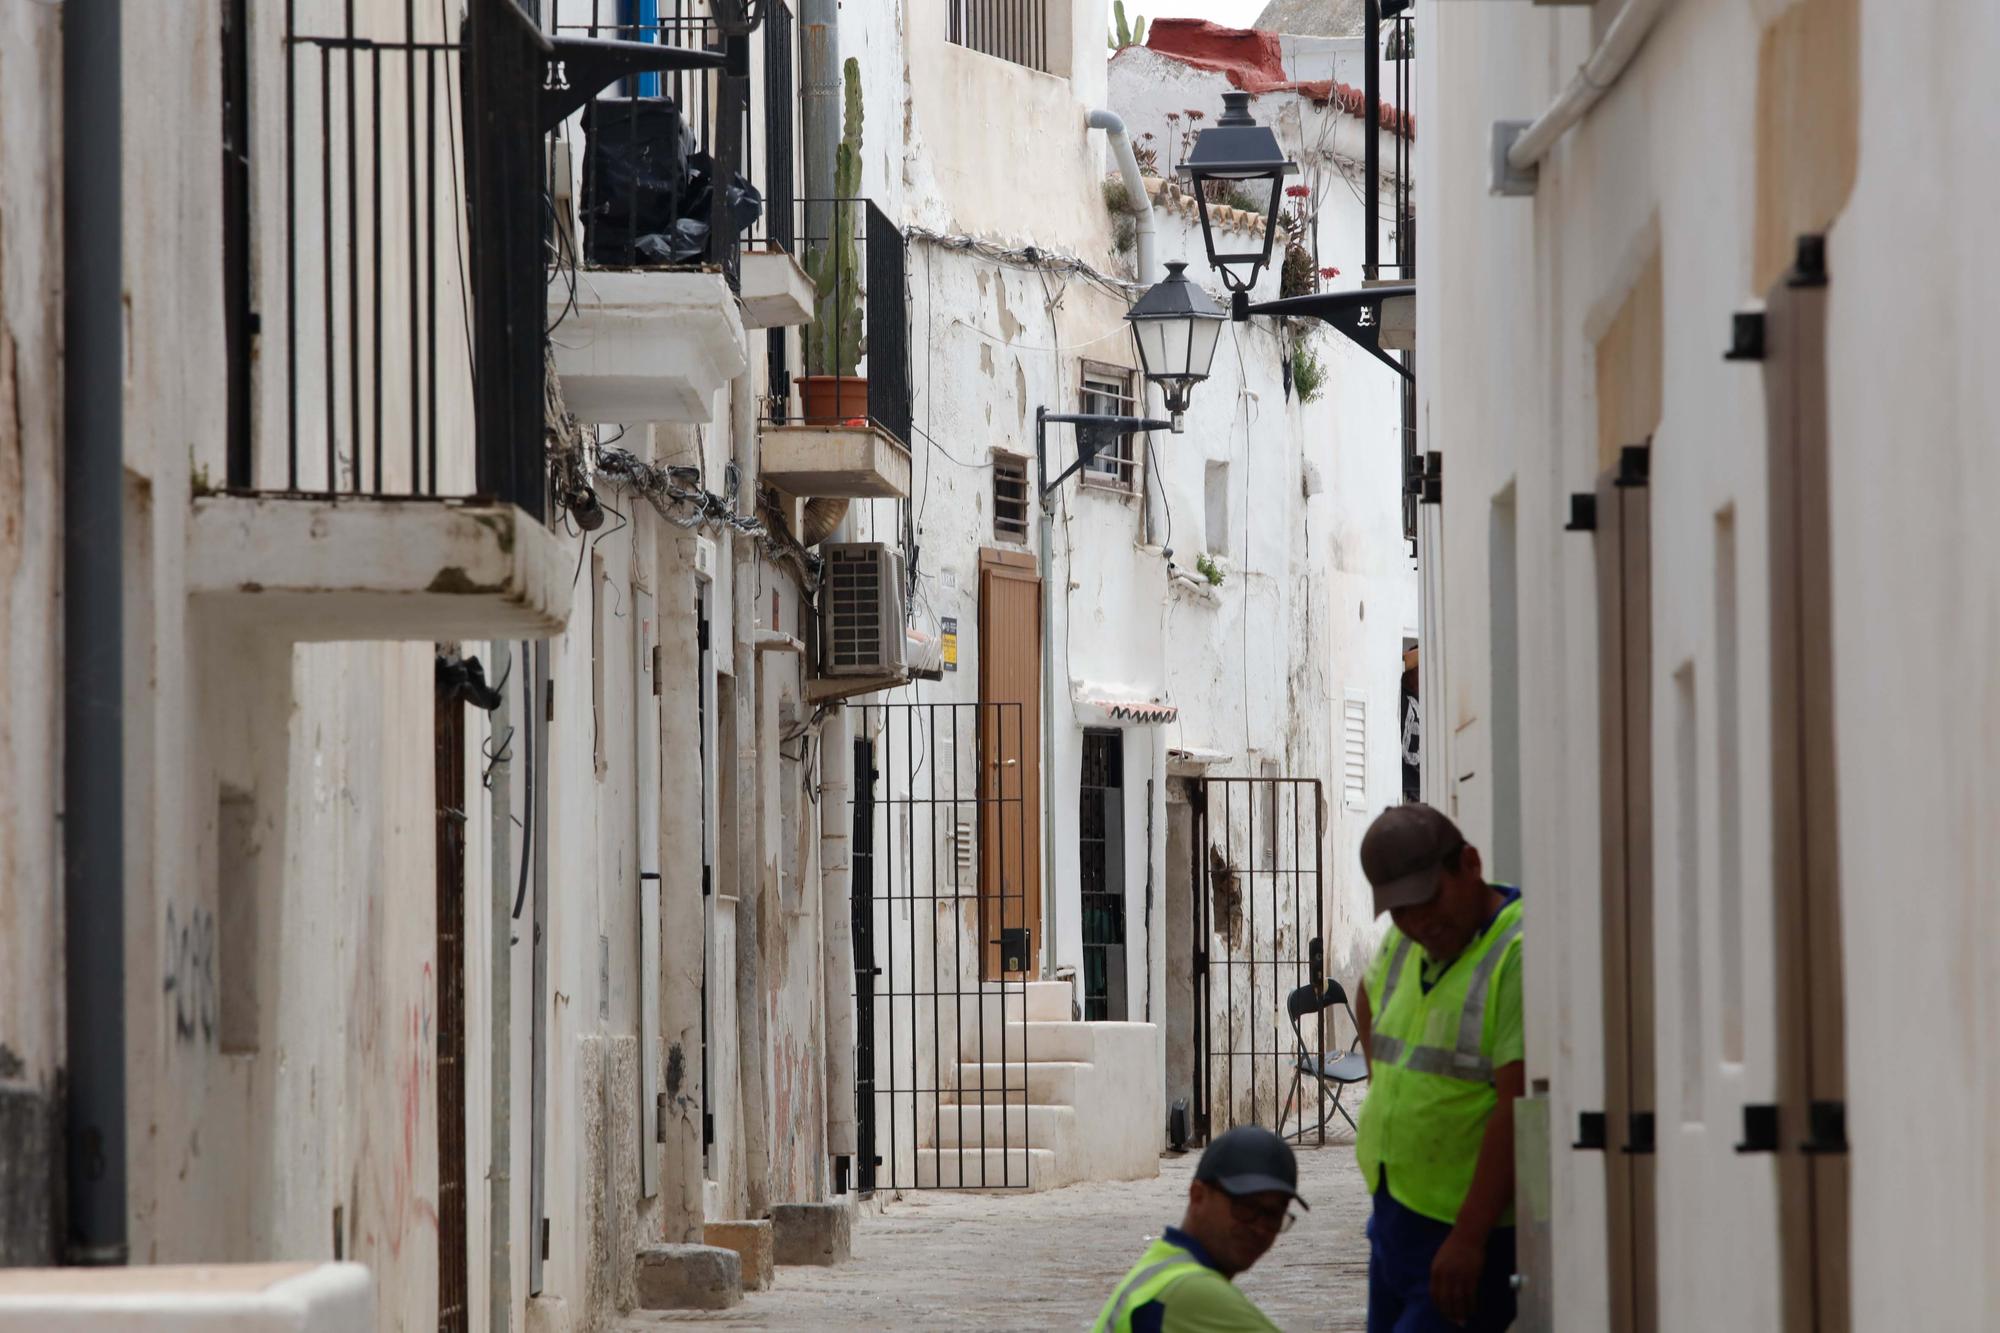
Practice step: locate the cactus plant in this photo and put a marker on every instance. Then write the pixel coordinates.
(835, 343)
(1123, 36)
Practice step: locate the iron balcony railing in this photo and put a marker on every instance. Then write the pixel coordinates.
(664, 169)
(398, 344)
(855, 353)
(376, 355)
(1016, 30)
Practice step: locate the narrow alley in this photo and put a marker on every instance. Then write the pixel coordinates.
(994, 1261)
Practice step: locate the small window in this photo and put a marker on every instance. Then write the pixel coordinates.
(1107, 390)
(1215, 507)
(1010, 498)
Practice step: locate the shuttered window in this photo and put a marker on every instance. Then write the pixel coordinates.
(1354, 751)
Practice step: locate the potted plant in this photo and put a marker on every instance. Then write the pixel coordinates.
(830, 390)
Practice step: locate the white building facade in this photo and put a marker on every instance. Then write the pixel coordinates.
(1721, 726)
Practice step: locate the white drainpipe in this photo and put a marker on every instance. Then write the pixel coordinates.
(1135, 185)
(1622, 40)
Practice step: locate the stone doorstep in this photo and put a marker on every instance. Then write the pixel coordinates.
(688, 1277)
(753, 1243)
(820, 1234)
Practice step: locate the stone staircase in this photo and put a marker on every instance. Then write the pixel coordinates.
(1087, 1103)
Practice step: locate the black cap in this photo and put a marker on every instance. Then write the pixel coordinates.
(1250, 1160)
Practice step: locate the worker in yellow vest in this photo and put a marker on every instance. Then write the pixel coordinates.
(1440, 1018)
(1238, 1204)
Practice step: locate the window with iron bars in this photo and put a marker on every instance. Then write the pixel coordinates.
(1108, 390)
(1010, 498)
(1013, 30)
(1101, 862)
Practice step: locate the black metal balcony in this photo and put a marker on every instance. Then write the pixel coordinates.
(854, 362)
(664, 169)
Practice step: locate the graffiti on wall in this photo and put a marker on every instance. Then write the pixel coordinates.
(189, 986)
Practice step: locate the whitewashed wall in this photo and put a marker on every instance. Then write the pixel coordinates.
(1516, 293)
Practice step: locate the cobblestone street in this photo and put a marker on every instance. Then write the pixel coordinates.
(1047, 1261)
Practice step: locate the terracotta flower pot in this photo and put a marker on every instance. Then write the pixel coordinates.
(830, 398)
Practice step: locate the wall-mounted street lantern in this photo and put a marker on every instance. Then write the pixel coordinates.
(1241, 154)
(1176, 325)
(1378, 318)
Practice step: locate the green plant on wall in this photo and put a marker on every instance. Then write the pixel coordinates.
(1123, 36)
(1308, 371)
(834, 343)
(1205, 566)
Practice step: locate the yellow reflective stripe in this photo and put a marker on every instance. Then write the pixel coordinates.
(1472, 1019)
(1395, 972)
(1115, 1316)
(1450, 1064)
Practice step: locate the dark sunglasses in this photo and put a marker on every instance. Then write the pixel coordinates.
(1250, 1215)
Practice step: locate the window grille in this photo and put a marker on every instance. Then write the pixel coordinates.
(1015, 30)
(1010, 498)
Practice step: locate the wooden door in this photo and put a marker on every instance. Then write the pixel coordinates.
(1811, 999)
(1625, 720)
(1010, 771)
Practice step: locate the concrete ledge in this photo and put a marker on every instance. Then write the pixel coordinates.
(640, 345)
(858, 462)
(313, 569)
(775, 291)
(688, 1277)
(233, 1298)
(753, 1244)
(818, 1234)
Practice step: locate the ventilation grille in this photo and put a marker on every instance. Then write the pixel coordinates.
(1010, 498)
(854, 590)
(1354, 751)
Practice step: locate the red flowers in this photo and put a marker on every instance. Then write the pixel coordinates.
(1298, 191)
(1196, 115)
(1329, 273)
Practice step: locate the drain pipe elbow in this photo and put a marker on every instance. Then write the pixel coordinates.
(1113, 126)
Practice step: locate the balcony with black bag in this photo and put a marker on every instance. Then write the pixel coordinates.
(385, 472)
(650, 284)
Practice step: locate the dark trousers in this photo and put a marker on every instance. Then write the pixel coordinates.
(1401, 1245)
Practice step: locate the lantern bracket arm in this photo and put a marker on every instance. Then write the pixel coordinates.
(1355, 314)
(1087, 447)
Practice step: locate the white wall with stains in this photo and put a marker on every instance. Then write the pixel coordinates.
(1318, 588)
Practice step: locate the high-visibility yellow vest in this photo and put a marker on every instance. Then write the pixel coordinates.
(1430, 1085)
(1158, 1268)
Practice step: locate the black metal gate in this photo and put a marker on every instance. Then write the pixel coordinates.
(942, 1093)
(1258, 937)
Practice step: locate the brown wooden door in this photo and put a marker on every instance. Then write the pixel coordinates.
(1811, 999)
(1625, 720)
(1010, 773)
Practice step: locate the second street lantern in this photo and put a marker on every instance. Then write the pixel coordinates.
(1176, 325)
(1238, 161)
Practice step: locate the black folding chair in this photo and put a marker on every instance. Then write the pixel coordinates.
(1325, 1068)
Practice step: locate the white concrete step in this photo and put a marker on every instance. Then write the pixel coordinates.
(985, 1168)
(1052, 1041)
(1049, 1082)
(1049, 1002)
(969, 1125)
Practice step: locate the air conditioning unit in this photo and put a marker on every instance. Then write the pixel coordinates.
(861, 610)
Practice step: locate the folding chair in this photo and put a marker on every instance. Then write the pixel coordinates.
(1326, 1069)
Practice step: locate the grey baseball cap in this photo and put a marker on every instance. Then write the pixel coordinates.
(1403, 854)
(1250, 1160)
